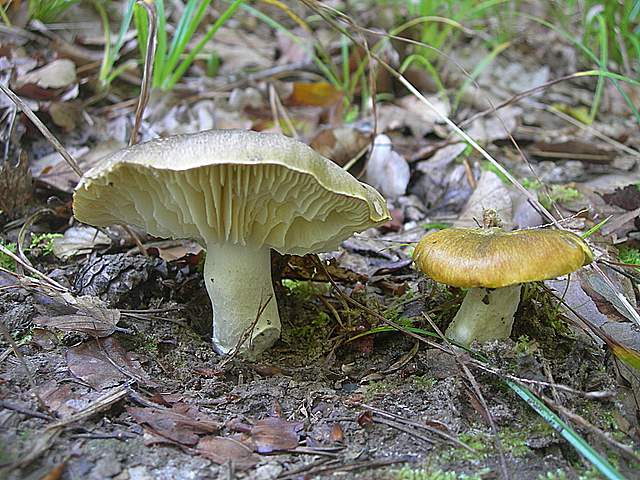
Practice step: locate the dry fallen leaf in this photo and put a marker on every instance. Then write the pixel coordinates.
(104, 363)
(411, 113)
(495, 127)
(275, 434)
(79, 240)
(92, 319)
(340, 144)
(223, 450)
(181, 423)
(57, 74)
(490, 192)
(317, 94)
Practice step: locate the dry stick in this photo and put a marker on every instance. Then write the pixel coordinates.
(147, 74)
(246, 334)
(428, 428)
(52, 283)
(23, 410)
(135, 238)
(402, 428)
(53, 431)
(591, 130)
(43, 129)
(476, 389)
(276, 107)
(375, 314)
(598, 395)
(517, 97)
(554, 391)
(628, 451)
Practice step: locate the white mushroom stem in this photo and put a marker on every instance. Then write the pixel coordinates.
(238, 280)
(485, 315)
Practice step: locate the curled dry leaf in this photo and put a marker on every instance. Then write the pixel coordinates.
(93, 320)
(411, 113)
(57, 74)
(181, 423)
(275, 434)
(223, 450)
(104, 363)
(79, 240)
(340, 144)
(49, 82)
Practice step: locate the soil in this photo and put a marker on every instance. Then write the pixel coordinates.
(311, 376)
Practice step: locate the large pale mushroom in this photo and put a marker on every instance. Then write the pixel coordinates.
(240, 193)
(493, 264)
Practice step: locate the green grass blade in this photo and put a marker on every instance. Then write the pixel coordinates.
(184, 65)
(4, 16)
(140, 21)
(588, 53)
(179, 37)
(333, 77)
(604, 59)
(570, 435)
(161, 48)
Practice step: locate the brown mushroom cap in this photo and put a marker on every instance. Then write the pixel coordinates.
(493, 258)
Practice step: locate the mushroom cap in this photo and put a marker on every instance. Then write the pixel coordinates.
(493, 258)
(230, 186)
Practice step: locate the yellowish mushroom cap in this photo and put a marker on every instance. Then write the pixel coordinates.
(493, 258)
(230, 186)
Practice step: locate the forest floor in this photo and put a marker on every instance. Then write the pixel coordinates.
(110, 372)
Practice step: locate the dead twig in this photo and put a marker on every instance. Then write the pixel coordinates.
(349, 467)
(449, 438)
(147, 74)
(626, 450)
(462, 361)
(23, 107)
(375, 314)
(23, 410)
(50, 283)
(245, 335)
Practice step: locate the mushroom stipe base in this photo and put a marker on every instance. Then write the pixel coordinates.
(485, 315)
(238, 280)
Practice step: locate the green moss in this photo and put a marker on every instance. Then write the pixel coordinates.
(514, 443)
(559, 194)
(394, 383)
(6, 261)
(42, 244)
(436, 225)
(309, 333)
(305, 289)
(531, 184)
(629, 255)
(558, 474)
(407, 473)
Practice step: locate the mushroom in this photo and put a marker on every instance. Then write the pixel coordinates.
(239, 193)
(493, 264)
